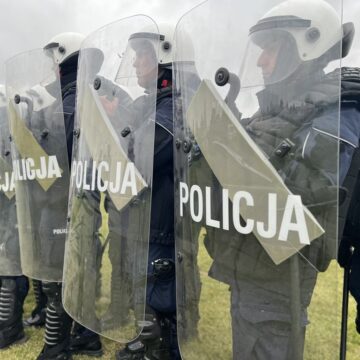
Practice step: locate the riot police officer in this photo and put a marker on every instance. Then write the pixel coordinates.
(158, 339)
(14, 286)
(59, 343)
(129, 99)
(276, 138)
(287, 63)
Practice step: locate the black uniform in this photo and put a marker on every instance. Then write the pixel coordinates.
(160, 336)
(260, 290)
(58, 323)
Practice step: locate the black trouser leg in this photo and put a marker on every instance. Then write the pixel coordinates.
(38, 314)
(12, 295)
(58, 322)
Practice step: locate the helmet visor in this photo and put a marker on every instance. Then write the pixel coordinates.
(140, 60)
(271, 57)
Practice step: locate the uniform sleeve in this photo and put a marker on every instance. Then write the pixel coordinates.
(349, 134)
(326, 135)
(69, 118)
(163, 150)
(313, 173)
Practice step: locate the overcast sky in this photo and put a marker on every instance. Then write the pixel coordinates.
(28, 24)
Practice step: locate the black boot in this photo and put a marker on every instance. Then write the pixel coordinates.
(57, 326)
(11, 310)
(85, 342)
(153, 343)
(132, 351)
(38, 315)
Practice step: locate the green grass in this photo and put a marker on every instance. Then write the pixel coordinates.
(322, 334)
(34, 344)
(322, 338)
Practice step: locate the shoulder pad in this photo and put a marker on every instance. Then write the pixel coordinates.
(350, 85)
(350, 74)
(347, 74)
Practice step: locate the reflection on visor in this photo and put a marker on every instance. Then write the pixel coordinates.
(265, 38)
(142, 47)
(272, 56)
(146, 35)
(280, 22)
(139, 62)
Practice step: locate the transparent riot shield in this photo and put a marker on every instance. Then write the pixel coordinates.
(256, 153)
(348, 215)
(10, 264)
(40, 161)
(105, 269)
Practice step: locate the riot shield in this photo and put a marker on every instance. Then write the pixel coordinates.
(10, 264)
(257, 143)
(40, 160)
(348, 220)
(106, 253)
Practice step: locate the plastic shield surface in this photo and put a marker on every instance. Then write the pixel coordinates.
(257, 143)
(10, 264)
(109, 209)
(40, 160)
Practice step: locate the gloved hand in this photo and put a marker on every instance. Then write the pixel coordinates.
(345, 252)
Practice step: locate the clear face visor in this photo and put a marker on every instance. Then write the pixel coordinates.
(2, 97)
(51, 64)
(271, 57)
(4, 125)
(139, 62)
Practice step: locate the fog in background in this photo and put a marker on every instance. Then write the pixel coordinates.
(351, 13)
(29, 24)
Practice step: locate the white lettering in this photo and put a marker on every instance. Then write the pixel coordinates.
(53, 168)
(293, 217)
(59, 231)
(272, 216)
(184, 196)
(196, 189)
(129, 180)
(209, 221)
(30, 173)
(102, 185)
(225, 210)
(85, 186)
(249, 226)
(294, 206)
(41, 173)
(115, 188)
(78, 175)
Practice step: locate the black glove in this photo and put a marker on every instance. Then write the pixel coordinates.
(345, 252)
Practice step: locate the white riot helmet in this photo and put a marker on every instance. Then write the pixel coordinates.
(313, 24)
(2, 95)
(65, 45)
(147, 50)
(160, 42)
(296, 32)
